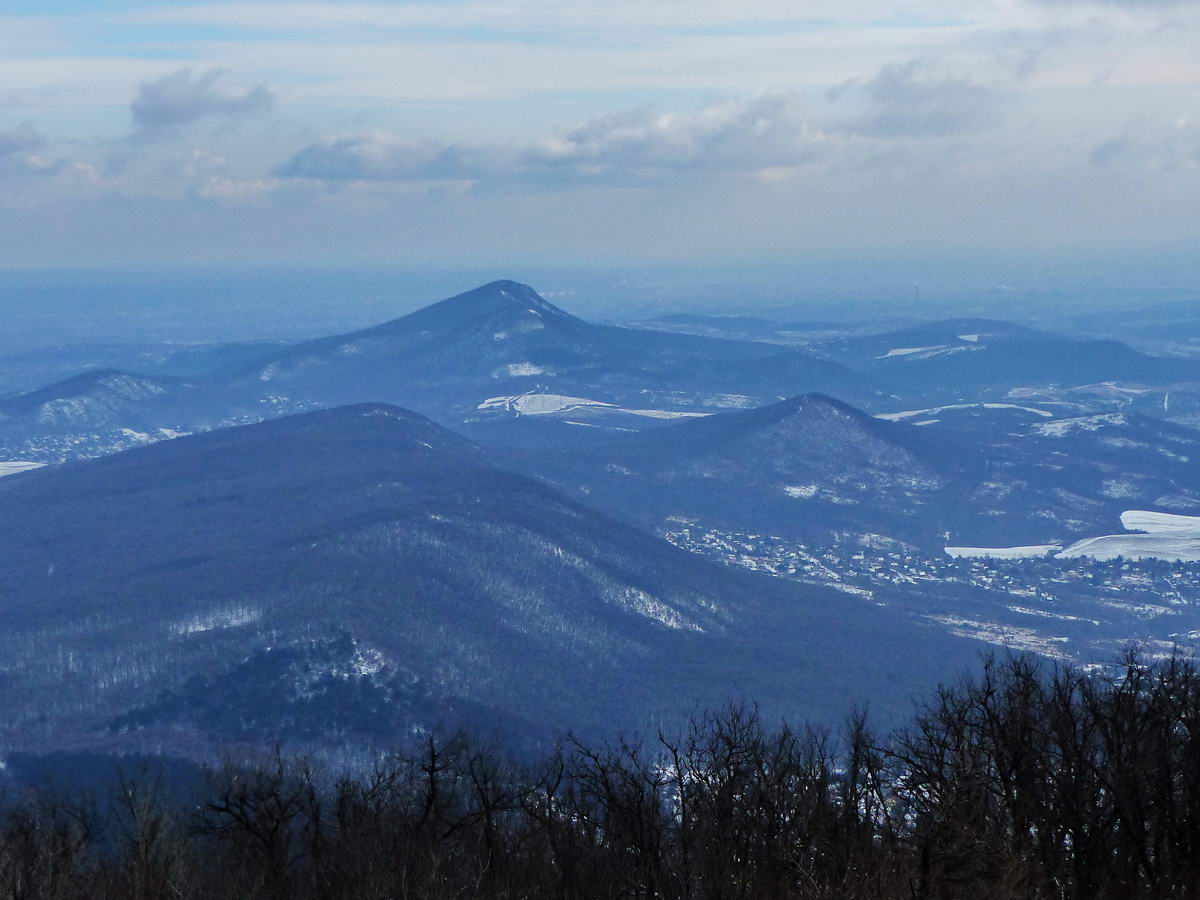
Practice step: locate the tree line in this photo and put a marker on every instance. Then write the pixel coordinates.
(1024, 780)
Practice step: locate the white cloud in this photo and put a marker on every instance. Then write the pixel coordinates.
(734, 135)
(731, 136)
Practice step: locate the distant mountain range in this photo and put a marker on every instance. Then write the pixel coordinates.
(965, 448)
(930, 339)
(106, 410)
(459, 361)
(511, 368)
(967, 360)
(504, 339)
(814, 469)
(363, 572)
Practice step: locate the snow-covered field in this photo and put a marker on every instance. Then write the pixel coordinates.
(935, 410)
(925, 352)
(1157, 522)
(1155, 536)
(12, 468)
(541, 404)
(1179, 548)
(553, 404)
(909, 351)
(1034, 550)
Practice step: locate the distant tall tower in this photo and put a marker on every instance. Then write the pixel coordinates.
(916, 292)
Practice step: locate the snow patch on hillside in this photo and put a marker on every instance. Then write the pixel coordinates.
(523, 326)
(1178, 548)
(647, 605)
(552, 404)
(1064, 427)
(12, 468)
(1155, 535)
(665, 413)
(1012, 637)
(1158, 522)
(541, 404)
(801, 491)
(1119, 488)
(909, 351)
(228, 617)
(937, 410)
(514, 370)
(923, 353)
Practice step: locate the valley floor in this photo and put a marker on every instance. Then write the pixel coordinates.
(1078, 608)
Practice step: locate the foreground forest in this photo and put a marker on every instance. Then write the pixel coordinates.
(1023, 781)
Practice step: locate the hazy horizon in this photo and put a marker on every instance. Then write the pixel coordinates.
(206, 303)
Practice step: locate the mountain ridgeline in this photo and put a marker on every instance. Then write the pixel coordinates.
(814, 469)
(361, 571)
(483, 360)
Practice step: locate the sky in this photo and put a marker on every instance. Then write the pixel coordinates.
(482, 132)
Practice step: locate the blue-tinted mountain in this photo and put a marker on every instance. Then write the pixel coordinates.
(805, 468)
(32, 369)
(749, 328)
(106, 410)
(91, 398)
(996, 369)
(363, 573)
(504, 339)
(972, 360)
(464, 361)
(813, 469)
(929, 339)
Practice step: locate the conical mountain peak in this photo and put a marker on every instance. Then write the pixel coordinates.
(810, 406)
(497, 298)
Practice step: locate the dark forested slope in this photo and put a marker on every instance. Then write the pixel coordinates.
(362, 570)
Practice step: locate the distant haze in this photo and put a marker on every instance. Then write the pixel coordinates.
(204, 303)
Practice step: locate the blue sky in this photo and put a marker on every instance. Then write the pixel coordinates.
(596, 131)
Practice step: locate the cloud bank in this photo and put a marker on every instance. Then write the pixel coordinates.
(183, 97)
(638, 145)
(303, 128)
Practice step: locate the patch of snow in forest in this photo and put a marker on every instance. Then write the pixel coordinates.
(1063, 427)
(230, 617)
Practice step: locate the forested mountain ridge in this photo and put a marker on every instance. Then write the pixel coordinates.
(251, 582)
(813, 469)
